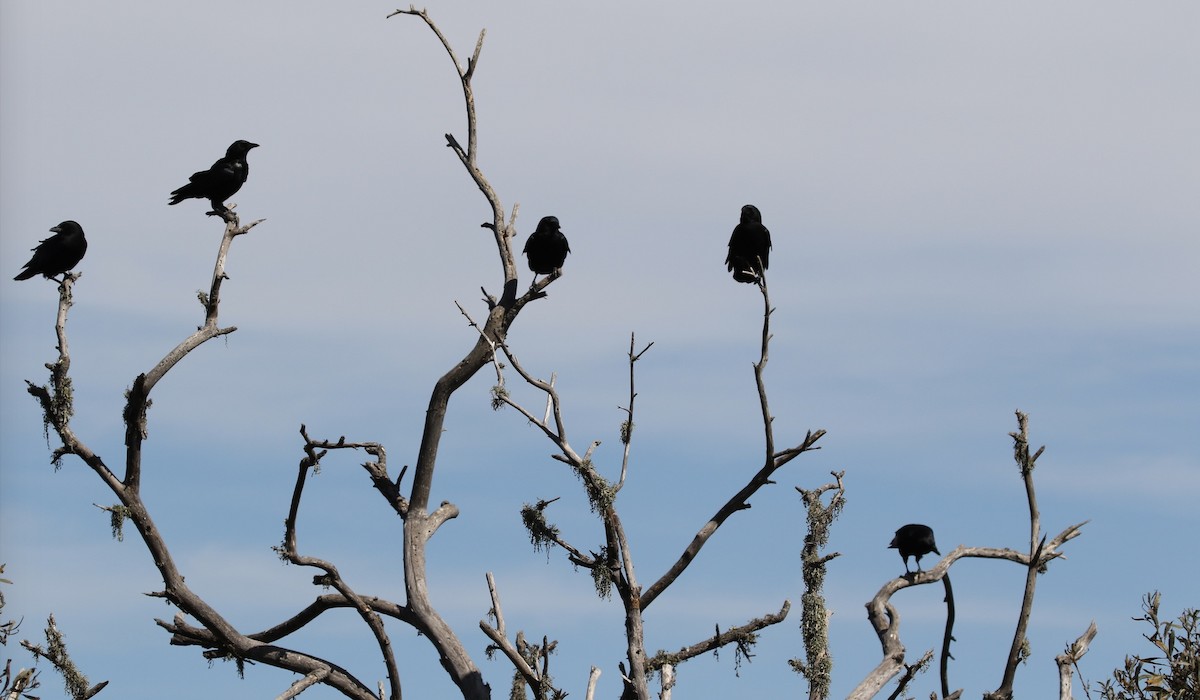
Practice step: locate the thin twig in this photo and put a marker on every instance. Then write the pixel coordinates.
(627, 425)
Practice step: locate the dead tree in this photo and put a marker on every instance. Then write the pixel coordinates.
(612, 567)
(199, 624)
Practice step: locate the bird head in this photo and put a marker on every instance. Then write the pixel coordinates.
(67, 227)
(239, 148)
(751, 215)
(548, 224)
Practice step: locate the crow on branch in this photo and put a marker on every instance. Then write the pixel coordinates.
(749, 247)
(546, 247)
(58, 253)
(914, 540)
(221, 181)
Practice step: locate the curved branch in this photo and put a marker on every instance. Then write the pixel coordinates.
(332, 577)
(886, 620)
(218, 633)
(57, 398)
(947, 637)
(743, 634)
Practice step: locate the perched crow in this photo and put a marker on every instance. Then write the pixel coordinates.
(58, 253)
(221, 181)
(546, 247)
(749, 247)
(914, 541)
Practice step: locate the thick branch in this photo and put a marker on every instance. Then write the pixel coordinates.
(1071, 657)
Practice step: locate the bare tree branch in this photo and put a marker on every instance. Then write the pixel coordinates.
(743, 635)
(215, 632)
(1074, 652)
(55, 652)
(593, 677)
(947, 637)
(1026, 463)
(304, 683)
(332, 578)
(667, 673)
(740, 500)
(910, 672)
(498, 636)
(627, 425)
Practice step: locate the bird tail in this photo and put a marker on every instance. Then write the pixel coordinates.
(185, 192)
(25, 274)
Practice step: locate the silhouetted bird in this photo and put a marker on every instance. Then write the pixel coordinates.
(749, 247)
(546, 247)
(914, 540)
(58, 253)
(221, 181)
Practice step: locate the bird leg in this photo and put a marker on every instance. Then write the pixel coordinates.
(219, 209)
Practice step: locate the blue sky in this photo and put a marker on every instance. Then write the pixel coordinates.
(976, 208)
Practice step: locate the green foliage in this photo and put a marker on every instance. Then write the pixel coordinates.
(600, 493)
(602, 577)
(535, 655)
(1173, 672)
(499, 394)
(117, 516)
(817, 666)
(541, 533)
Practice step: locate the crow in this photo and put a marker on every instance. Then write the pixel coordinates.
(749, 247)
(221, 181)
(546, 247)
(915, 541)
(58, 253)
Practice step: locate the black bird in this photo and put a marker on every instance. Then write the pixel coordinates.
(58, 253)
(221, 181)
(749, 247)
(914, 540)
(546, 247)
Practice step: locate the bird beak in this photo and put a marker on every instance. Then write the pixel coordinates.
(254, 145)
(56, 229)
